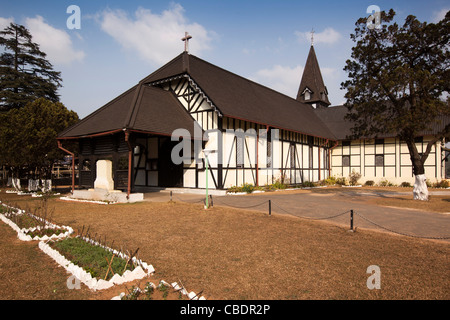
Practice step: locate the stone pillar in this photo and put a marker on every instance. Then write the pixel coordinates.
(104, 175)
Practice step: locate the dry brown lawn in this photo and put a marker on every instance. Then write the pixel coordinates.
(233, 254)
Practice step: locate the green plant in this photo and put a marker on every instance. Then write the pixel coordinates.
(369, 183)
(405, 184)
(164, 289)
(329, 181)
(149, 289)
(354, 177)
(341, 181)
(442, 184)
(279, 184)
(385, 183)
(308, 184)
(91, 257)
(248, 188)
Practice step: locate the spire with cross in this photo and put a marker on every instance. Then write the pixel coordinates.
(312, 36)
(186, 39)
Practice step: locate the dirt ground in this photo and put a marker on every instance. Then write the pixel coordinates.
(233, 254)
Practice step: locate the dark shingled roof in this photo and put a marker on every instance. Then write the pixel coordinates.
(312, 79)
(333, 117)
(152, 109)
(144, 108)
(240, 98)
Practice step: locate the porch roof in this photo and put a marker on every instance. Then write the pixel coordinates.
(142, 108)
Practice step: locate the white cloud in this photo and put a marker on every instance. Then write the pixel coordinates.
(56, 43)
(439, 15)
(280, 78)
(156, 38)
(4, 22)
(327, 36)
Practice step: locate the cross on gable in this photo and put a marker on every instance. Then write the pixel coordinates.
(186, 39)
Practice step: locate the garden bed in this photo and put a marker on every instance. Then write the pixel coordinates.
(93, 264)
(30, 227)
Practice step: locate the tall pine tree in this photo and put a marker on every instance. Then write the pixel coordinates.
(25, 74)
(399, 81)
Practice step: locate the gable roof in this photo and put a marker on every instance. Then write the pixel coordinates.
(240, 98)
(144, 108)
(152, 109)
(312, 79)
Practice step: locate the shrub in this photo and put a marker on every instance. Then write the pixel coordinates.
(370, 183)
(405, 184)
(279, 184)
(442, 184)
(329, 181)
(234, 189)
(385, 183)
(341, 181)
(354, 177)
(308, 184)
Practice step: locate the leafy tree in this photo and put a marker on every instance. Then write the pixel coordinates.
(25, 74)
(28, 135)
(398, 82)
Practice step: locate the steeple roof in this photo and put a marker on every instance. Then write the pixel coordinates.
(312, 81)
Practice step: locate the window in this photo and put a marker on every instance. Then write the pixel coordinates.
(346, 161)
(379, 160)
(292, 154)
(269, 149)
(307, 95)
(239, 151)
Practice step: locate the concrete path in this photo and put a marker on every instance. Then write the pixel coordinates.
(334, 205)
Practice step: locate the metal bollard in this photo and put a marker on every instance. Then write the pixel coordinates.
(351, 220)
(270, 207)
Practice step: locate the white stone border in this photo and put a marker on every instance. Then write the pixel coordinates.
(22, 233)
(89, 201)
(93, 283)
(191, 295)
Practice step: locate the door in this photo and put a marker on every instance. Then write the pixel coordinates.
(169, 174)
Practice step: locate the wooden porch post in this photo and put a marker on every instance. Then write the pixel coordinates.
(73, 163)
(130, 162)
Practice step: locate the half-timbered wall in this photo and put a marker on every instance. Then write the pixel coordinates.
(389, 159)
(246, 157)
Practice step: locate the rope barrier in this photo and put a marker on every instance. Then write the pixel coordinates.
(400, 233)
(310, 218)
(244, 207)
(187, 201)
(270, 202)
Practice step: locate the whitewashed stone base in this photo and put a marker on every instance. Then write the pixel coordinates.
(107, 196)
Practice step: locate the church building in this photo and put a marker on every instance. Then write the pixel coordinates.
(190, 119)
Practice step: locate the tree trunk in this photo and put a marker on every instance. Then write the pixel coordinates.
(420, 190)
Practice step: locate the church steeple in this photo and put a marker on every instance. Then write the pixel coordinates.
(312, 89)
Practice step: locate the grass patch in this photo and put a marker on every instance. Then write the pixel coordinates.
(91, 258)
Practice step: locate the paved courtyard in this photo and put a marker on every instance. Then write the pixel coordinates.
(333, 205)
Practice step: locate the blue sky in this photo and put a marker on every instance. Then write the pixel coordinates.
(121, 42)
